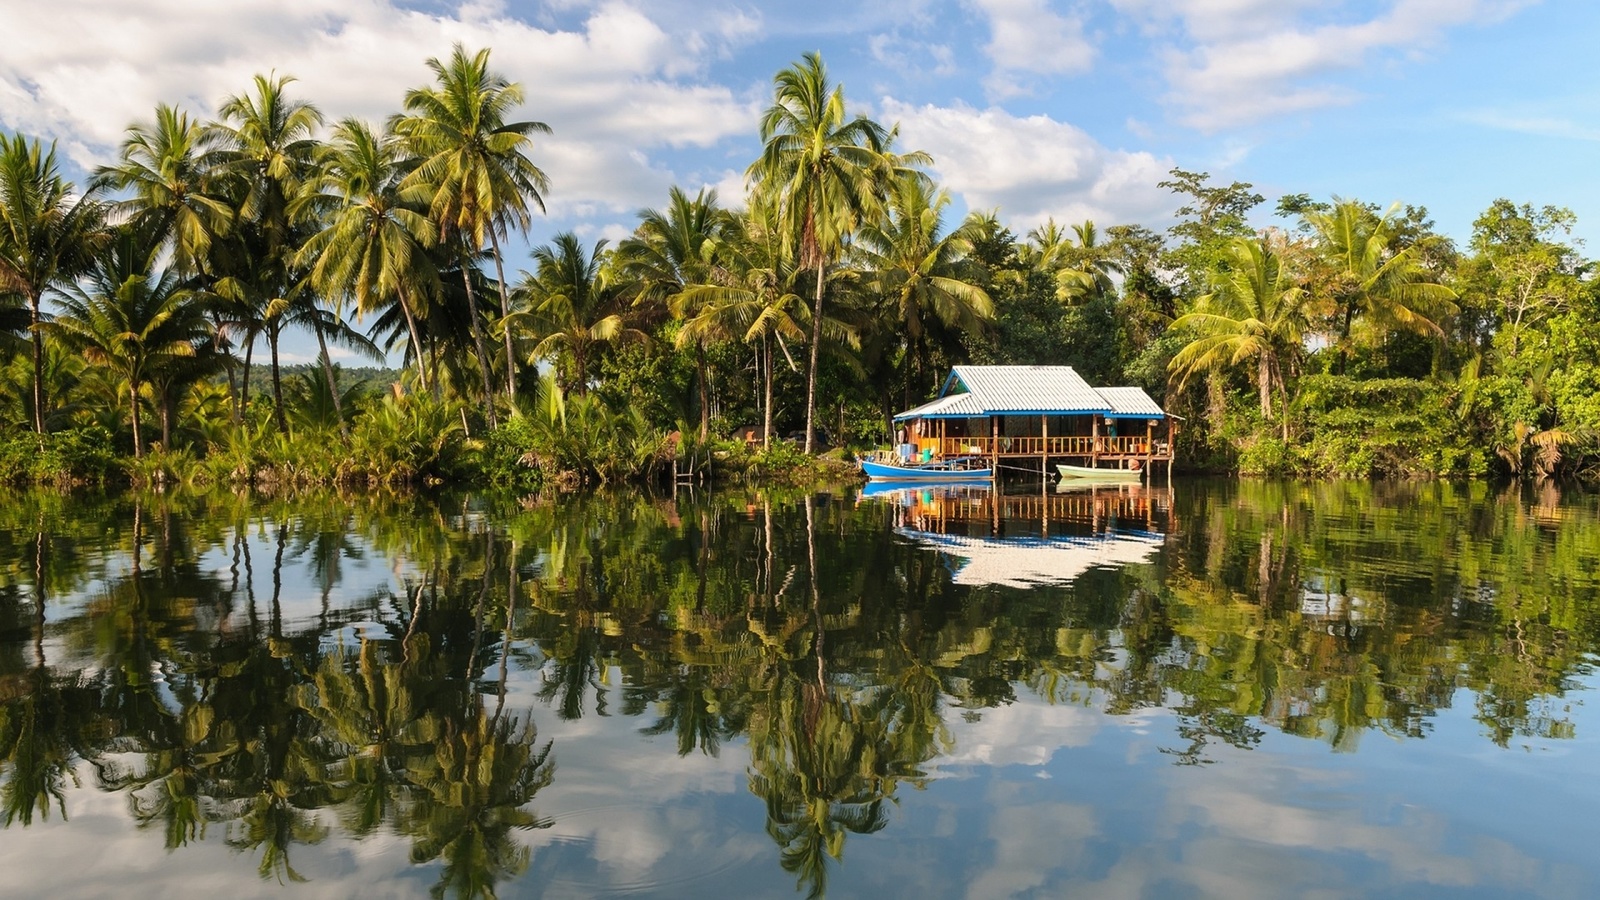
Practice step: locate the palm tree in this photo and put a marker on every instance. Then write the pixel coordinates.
(670, 251)
(472, 166)
(574, 303)
(47, 236)
(828, 172)
(373, 247)
(754, 295)
(1368, 277)
(924, 277)
(166, 168)
(267, 146)
(1255, 310)
(132, 317)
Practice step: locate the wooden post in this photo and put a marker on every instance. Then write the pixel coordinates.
(1044, 447)
(994, 446)
(1149, 448)
(1094, 441)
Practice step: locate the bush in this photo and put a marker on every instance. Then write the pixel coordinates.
(72, 457)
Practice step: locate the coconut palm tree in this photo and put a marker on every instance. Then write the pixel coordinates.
(373, 247)
(574, 303)
(923, 277)
(267, 148)
(1368, 277)
(828, 172)
(754, 295)
(473, 168)
(166, 168)
(133, 317)
(671, 251)
(1255, 310)
(48, 234)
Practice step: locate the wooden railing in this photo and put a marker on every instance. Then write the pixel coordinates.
(1080, 446)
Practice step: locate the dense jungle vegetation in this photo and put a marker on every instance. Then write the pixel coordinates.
(1349, 339)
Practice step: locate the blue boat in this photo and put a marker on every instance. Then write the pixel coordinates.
(959, 468)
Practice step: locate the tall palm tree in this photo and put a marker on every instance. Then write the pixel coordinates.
(373, 247)
(1368, 277)
(923, 276)
(48, 234)
(131, 316)
(267, 146)
(166, 168)
(1255, 310)
(473, 167)
(573, 303)
(828, 171)
(670, 251)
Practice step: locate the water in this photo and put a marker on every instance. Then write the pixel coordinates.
(1228, 690)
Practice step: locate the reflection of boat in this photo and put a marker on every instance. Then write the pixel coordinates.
(900, 488)
(1024, 562)
(1092, 473)
(959, 468)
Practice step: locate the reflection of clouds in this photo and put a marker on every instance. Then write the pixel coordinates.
(1030, 842)
(1027, 732)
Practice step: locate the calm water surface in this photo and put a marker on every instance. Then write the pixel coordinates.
(1222, 690)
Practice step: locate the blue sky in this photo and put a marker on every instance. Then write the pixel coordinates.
(1035, 107)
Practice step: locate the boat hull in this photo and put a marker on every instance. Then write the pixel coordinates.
(1090, 473)
(932, 472)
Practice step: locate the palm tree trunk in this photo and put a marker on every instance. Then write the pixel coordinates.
(477, 341)
(811, 376)
(277, 383)
(1264, 384)
(505, 310)
(166, 419)
(133, 411)
(38, 363)
(416, 342)
(766, 405)
(333, 387)
(700, 376)
(243, 398)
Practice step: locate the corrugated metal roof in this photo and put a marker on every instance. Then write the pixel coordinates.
(1131, 401)
(949, 406)
(1028, 389)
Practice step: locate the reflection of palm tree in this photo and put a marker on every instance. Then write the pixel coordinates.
(473, 790)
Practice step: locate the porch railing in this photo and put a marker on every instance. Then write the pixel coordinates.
(1078, 445)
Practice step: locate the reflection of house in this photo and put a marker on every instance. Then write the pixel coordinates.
(1029, 540)
(1036, 562)
(1319, 599)
(1040, 412)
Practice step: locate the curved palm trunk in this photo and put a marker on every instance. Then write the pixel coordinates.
(811, 376)
(477, 341)
(333, 387)
(38, 363)
(277, 382)
(505, 310)
(416, 342)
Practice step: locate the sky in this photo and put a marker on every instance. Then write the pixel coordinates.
(1072, 109)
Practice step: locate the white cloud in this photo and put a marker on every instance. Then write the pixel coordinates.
(1033, 167)
(614, 90)
(1238, 61)
(1025, 36)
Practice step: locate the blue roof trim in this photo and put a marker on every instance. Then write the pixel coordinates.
(1135, 415)
(1034, 412)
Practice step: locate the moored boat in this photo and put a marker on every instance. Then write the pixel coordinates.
(1093, 473)
(961, 468)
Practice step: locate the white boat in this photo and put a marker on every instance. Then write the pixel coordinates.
(1092, 473)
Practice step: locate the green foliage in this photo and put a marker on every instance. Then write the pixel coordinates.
(75, 456)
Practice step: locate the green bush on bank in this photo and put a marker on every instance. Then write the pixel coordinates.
(76, 456)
